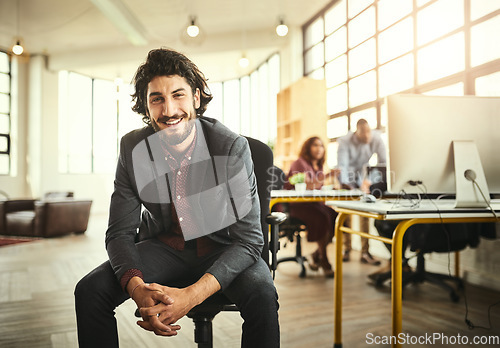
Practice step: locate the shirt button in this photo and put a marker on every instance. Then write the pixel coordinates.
(179, 172)
(189, 158)
(180, 219)
(166, 158)
(178, 197)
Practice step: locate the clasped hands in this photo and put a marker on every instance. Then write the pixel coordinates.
(160, 308)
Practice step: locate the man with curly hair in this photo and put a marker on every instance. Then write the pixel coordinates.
(185, 182)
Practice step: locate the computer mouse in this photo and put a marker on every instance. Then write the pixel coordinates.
(368, 198)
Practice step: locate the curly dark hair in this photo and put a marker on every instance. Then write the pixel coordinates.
(167, 62)
(305, 151)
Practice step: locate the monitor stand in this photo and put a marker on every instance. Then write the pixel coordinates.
(469, 172)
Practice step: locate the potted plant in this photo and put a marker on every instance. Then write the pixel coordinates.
(299, 181)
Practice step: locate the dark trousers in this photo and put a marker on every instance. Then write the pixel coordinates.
(99, 293)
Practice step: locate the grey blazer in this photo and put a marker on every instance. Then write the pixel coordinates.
(243, 238)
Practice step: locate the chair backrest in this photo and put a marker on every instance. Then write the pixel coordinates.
(262, 157)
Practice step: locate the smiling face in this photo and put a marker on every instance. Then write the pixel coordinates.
(171, 107)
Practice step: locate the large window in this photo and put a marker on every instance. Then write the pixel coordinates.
(5, 114)
(93, 115)
(248, 105)
(368, 49)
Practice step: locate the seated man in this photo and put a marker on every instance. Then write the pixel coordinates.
(179, 170)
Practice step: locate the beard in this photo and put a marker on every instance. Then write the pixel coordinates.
(175, 137)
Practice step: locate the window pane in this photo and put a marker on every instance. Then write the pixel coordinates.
(105, 126)
(389, 11)
(4, 83)
(336, 71)
(127, 119)
(255, 106)
(263, 123)
(362, 89)
(314, 33)
(331, 155)
(479, 8)
(335, 17)
(370, 115)
(4, 62)
(336, 99)
(489, 85)
(337, 127)
(4, 103)
(396, 76)
(362, 27)
(396, 40)
(485, 46)
(456, 89)
(336, 44)
(4, 164)
(318, 74)
(356, 6)
(315, 57)
(79, 115)
(232, 105)
(4, 144)
(245, 105)
(362, 58)
(4, 124)
(438, 19)
(441, 59)
(214, 108)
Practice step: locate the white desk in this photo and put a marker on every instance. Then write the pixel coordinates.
(424, 213)
(292, 196)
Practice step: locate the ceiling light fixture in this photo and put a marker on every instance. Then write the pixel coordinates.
(193, 30)
(18, 49)
(282, 28)
(244, 61)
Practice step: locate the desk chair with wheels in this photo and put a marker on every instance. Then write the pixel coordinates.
(291, 228)
(427, 238)
(203, 314)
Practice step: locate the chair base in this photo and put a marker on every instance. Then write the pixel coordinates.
(298, 254)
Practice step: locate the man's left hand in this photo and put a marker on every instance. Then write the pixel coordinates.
(165, 312)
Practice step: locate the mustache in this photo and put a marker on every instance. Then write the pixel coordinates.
(169, 118)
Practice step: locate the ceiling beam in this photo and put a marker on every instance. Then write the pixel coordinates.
(121, 17)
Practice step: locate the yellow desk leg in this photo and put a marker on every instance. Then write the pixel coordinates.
(337, 282)
(397, 279)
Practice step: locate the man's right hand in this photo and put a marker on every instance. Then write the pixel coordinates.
(144, 296)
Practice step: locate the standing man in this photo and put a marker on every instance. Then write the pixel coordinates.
(354, 152)
(200, 231)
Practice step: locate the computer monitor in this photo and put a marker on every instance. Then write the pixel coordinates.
(433, 140)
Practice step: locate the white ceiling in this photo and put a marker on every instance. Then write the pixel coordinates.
(75, 34)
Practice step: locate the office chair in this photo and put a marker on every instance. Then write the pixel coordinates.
(427, 238)
(292, 227)
(203, 314)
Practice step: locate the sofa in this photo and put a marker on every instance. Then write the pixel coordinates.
(48, 217)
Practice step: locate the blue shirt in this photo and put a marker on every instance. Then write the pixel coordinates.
(353, 155)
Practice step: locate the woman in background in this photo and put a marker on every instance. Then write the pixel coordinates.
(319, 219)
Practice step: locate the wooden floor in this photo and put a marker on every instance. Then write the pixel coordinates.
(37, 280)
